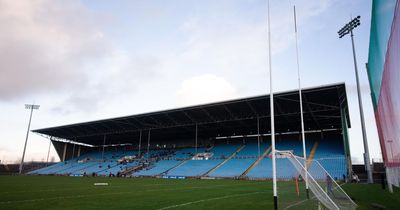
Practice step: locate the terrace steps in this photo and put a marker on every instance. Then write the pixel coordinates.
(312, 154)
(226, 160)
(176, 166)
(80, 168)
(131, 170)
(256, 162)
(112, 165)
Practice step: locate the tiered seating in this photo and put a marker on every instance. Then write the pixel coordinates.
(330, 154)
(233, 168)
(62, 166)
(224, 150)
(186, 153)
(158, 168)
(117, 168)
(178, 162)
(251, 149)
(94, 163)
(194, 167)
(200, 167)
(262, 170)
(241, 162)
(48, 170)
(284, 168)
(295, 145)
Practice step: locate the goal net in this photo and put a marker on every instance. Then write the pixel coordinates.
(324, 191)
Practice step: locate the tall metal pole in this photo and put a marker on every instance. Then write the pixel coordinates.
(104, 143)
(258, 136)
(348, 28)
(140, 141)
(48, 152)
(148, 144)
(31, 107)
(303, 138)
(271, 104)
(196, 140)
(364, 133)
(73, 150)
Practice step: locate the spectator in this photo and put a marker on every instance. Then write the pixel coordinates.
(329, 185)
(354, 178)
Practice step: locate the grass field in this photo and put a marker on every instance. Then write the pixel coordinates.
(47, 192)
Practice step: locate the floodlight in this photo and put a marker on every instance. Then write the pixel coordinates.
(348, 28)
(31, 107)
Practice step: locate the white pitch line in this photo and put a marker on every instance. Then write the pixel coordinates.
(210, 199)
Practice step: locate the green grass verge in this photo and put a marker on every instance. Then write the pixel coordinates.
(366, 194)
(47, 192)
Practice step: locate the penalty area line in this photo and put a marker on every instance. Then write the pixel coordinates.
(210, 199)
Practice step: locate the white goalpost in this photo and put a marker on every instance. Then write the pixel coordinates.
(325, 192)
(303, 138)
(271, 104)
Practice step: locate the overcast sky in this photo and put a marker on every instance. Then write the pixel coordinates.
(87, 60)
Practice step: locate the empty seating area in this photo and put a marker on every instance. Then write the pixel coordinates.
(158, 168)
(225, 160)
(233, 168)
(194, 167)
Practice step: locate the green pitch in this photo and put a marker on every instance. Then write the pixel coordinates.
(47, 192)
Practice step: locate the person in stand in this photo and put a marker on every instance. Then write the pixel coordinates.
(355, 178)
(329, 189)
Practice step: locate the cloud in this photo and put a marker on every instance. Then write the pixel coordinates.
(59, 48)
(3, 149)
(282, 21)
(224, 42)
(116, 78)
(204, 89)
(45, 46)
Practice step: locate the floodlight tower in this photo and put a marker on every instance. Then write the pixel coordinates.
(31, 107)
(348, 28)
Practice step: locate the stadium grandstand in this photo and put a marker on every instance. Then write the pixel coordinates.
(229, 139)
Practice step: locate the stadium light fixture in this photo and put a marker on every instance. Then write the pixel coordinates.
(31, 107)
(348, 29)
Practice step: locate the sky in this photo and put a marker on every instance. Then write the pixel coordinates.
(84, 60)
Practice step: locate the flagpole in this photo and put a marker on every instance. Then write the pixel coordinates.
(301, 101)
(271, 102)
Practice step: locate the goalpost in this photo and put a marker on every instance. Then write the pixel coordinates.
(325, 190)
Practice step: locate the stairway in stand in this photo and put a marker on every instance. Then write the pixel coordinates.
(226, 160)
(256, 162)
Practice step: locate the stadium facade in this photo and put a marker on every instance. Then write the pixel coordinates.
(384, 77)
(223, 139)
